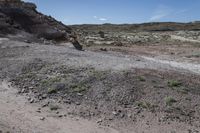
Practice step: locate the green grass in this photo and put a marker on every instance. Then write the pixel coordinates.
(174, 83)
(169, 101)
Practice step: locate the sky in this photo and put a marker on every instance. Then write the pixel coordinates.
(120, 11)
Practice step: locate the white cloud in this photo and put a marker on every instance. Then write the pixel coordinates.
(100, 18)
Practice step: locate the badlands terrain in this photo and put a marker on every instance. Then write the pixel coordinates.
(139, 78)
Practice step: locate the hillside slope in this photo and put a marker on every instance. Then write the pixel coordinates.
(17, 16)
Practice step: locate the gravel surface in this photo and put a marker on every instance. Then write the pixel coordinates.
(123, 92)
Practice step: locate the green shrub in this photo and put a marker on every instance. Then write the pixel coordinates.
(141, 78)
(169, 101)
(174, 83)
(51, 91)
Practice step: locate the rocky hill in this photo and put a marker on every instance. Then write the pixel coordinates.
(17, 16)
(132, 34)
(154, 26)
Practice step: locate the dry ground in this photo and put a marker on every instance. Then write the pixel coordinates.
(48, 88)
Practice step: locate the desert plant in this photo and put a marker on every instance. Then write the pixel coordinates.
(51, 90)
(169, 100)
(145, 105)
(102, 34)
(141, 78)
(174, 83)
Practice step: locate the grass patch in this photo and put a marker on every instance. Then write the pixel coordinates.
(174, 83)
(51, 91)
(141, 78)
(145, 105)
(98, 74)
(194, 55)
(50, 81)
(81, 87)
(169, 101)
(30, 75)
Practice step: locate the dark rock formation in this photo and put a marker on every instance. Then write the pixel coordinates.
(16, 15)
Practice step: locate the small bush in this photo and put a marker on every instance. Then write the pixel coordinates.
(142, 79)
(80, 87)
(145, 105)
(169, 101)
(174, 83)
(102, 34)
(51, 91)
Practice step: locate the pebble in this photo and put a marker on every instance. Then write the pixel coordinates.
(60, 116)
(30, 87)
(39, 111)
(99, 121)
(22, 91)
(42, 118)
(114, 113)
(32, 101)
(45, 105)
(129, 115)
(44, 96)
(79, 94)
(77, 103)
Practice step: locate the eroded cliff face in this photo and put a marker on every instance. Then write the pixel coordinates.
(16, 15)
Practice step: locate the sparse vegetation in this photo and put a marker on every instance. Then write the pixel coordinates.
(81, 87)
(102, 34)
(194, 55)
(169, 101)
(51, 90)
(48, 82)
(174, 83)
(98, 74)
(142, 78)
(145, 104)
(128, 75)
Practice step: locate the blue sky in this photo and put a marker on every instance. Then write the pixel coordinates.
(120, 11)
